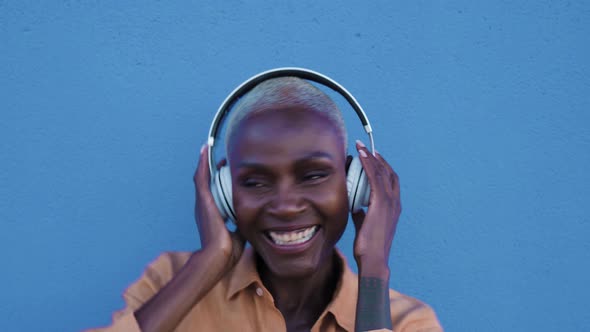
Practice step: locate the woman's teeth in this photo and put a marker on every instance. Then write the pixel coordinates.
(295, 237)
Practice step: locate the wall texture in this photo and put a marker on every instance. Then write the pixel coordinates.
(482, 108)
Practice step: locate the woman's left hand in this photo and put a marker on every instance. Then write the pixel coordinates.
(375, 229)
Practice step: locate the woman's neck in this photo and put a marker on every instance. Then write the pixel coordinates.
(302, 300)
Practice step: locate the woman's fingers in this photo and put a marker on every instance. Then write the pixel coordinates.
(377, 173)
(385, 190)
(202, 176)
(207, 215)
(393, 177)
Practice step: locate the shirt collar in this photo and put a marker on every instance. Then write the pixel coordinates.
(243, 274)
(342, 306)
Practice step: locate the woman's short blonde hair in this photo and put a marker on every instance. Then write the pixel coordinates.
(288, 92)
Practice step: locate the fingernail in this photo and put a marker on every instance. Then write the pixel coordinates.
(203, 147)
(359, 143)
(363, 153)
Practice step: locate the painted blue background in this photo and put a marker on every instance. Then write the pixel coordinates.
(482, 108)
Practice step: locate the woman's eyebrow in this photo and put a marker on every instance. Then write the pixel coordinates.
(316, 155)
(252, 165)
(321, 157)
(306, 158)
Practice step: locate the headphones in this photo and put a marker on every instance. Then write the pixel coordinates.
(357, 183)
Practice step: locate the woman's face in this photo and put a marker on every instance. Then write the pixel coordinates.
(289, 188)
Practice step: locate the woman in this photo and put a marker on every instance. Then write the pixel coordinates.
(286, 152)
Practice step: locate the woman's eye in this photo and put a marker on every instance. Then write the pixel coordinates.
(315, 176)
(251, 183)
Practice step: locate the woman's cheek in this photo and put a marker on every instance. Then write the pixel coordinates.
(331, 201)
(247, 205)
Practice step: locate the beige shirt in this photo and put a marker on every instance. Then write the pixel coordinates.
(240, 302)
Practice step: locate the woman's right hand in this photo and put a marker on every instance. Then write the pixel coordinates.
(216, 239)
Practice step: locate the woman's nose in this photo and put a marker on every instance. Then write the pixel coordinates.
(287, 203)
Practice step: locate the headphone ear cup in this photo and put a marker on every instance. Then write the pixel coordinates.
(357, 186)
(222, 193)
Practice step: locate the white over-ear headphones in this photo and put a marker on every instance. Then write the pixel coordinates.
(221, 187)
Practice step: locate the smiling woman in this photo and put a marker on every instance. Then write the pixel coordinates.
(289, 183)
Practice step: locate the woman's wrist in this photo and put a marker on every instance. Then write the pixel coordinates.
(216, 261)
(373, 308)
(373, 267)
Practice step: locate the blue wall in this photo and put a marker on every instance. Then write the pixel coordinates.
(482, 108)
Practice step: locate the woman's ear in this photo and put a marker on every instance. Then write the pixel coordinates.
(348, 161)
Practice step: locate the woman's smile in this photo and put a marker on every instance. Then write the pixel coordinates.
(291, 238)
(297, 242)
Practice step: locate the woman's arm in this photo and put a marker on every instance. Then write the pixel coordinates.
(219, 252)
(374, 234)
(167, 308)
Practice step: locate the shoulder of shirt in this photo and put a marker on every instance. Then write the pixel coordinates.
(407, 313)
(411, 314)
(166, 265)
(156, 275)
(170, 261)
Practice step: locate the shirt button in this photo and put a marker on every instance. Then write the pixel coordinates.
(259, 291)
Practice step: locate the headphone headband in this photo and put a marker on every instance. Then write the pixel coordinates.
(302, 73)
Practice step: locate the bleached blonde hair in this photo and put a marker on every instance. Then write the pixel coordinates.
(288, 92)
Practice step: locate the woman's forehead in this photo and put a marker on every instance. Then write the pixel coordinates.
(291, 120)
(285, 129)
